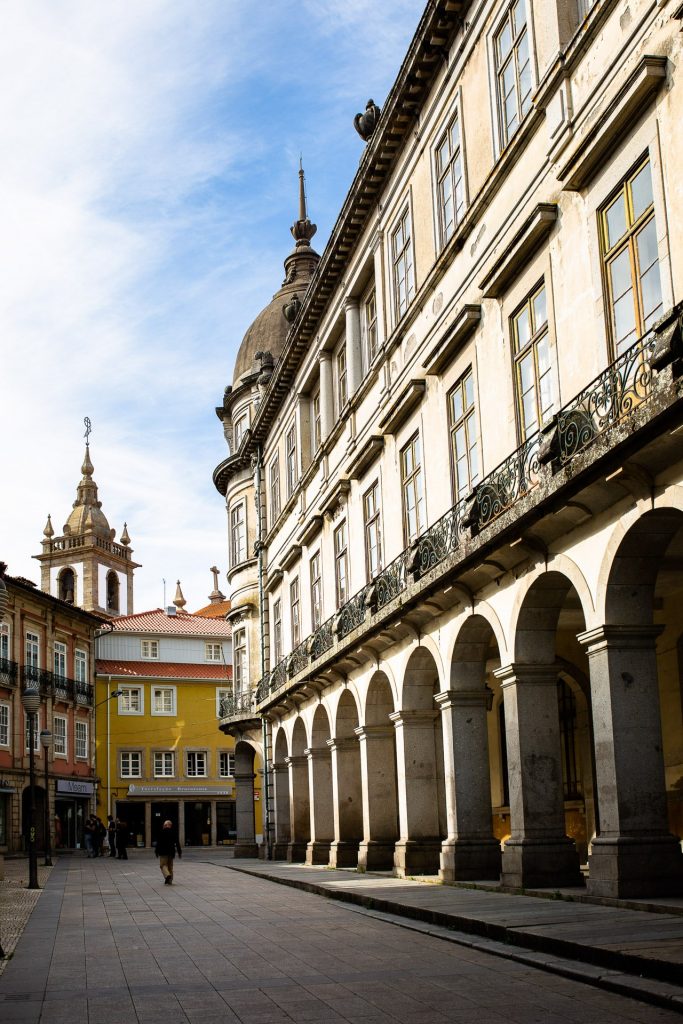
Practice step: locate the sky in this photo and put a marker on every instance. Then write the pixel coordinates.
(148, 180)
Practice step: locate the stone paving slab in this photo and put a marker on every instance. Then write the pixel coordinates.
(17, 902)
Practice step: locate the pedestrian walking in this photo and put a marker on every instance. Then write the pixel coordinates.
(165, 849)
(121, 839)
(88, 836)
(111, 835)
(99, 832)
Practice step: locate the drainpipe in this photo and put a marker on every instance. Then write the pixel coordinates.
(267, 824)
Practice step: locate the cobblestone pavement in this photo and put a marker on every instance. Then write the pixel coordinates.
(16, 903)
(109, 942)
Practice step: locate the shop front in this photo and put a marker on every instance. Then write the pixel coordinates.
(73, 801)
(201, 815)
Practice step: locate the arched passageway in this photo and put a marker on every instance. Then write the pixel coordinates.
(299, 802)
(346, 783)
(320, 786)
(245, 841)
(280, 772)
(377, 741)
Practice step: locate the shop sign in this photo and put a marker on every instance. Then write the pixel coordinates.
(135, 790)
(6, 786)
(75, 787)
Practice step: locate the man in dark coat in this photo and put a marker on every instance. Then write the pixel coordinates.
(121, 839)
(166, 847)
(111, 834)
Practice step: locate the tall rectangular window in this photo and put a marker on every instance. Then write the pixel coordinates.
(163, 700)
(291, 461)
(32, 650)
(131, 764)
(316, 591)
(164, 764)
(369, 322)
(534, 370)
(274, 473)
(81, 738)
(36, 731)
(463, 428)
(4, 642)
(277, 631)
(342, 386)
(239, 659)
(449, 180)
(238, 534)
(59, 731)
(226, 764)
(373, 534)
(341, 564)
(316, 425)
(5, 726)
(239, 429)
(81, 666)
(513, 70)
(631, 259)
(412, 489)
(195, 764)
(59, 659)
(295, 611)
(402, 264)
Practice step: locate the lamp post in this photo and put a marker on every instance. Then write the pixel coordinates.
(30, 698)
(46, 742)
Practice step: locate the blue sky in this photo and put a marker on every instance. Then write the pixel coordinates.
(148, 181)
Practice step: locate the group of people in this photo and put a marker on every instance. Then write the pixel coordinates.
(115, 832)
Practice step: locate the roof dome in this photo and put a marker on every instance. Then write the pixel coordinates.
(269, 330)
(87, 511)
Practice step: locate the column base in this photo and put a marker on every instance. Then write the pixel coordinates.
(280, 849)
(296, 852)
(242, 849)
(376, 855)
(318, 852)
(344, 853)
(468, 860)
(629, 867)
(417, 857)
(540, 864)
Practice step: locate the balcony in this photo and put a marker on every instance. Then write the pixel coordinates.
(238, 707)
(628, 407)
(9, 672)
(56, 686)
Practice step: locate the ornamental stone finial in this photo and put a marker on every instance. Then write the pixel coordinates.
(366, 123)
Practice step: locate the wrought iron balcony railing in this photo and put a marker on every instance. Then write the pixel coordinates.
(9, 672)
(614, 395)
(235, 704)
(50, 684)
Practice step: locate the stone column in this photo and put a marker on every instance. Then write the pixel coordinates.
(347, 801)
(326, 395)
(633, 854)
(538, 853)
(280, 776)
(380, 805)
(299, 808)
(354, 359)
(148, 824)
(470, 851)
(418, 848)
(245, 843)
(213, 839)
(181, 822)
(322, 817)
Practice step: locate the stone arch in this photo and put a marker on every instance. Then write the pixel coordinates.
(378, 774)
(113, 591)
(534, 628)
(245, 842)
(299, 793)
(320, 788)
(280, 772)
(630, 589)
(66, 585)
(346, 783)
(299, 737)
(421, 681)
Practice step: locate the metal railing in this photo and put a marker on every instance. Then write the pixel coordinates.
(51, 684)
(510, 481)
(9, 672)
(235, 704)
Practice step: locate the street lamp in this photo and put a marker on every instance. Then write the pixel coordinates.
(46, 742)
(30, 698)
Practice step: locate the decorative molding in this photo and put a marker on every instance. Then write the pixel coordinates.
(291, 555)
(336, 497)
(310, 530)
(274, 577)
(441, 354)
(399, 410)
(363, 459)
(535, 230)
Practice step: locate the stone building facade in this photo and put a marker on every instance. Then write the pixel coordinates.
(461, 463)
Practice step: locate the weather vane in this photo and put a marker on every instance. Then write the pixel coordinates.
(88, 429)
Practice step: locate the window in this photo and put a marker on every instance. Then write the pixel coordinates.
(238, 534)
(316, 432)
(239, 659)
(164, 764)
(130, 701)
(342, 383)
(59, 659)
(113, 591)
(291, 460)
(316, 591)
(131, 764)
(59, 737)
(81, 738)
(450, 187)
(5, 726)
(149, 649)
(274, 490)
(213, 652)
(226, 764)
(412, 490)
(4, 642)
(583, 7)
(277, 631)
(238, 430)
(295, 612)
(36, 732)
(533, 364)
(163, 700)
(196, 764)
(513, 71)
(373, 538)
(369, 325)
(630, 259)
(463, 428)
(341, 564)
(402, 265)
(222, 693)
(81, 666)
(32, 659)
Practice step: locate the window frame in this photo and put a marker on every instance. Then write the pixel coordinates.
(127, 691)
(441, 174)
(229, 757)
(469, 422)
(295, 611)
(291, 460)
(396, 257)
(239, 659)
(503, 134)
(32, 649)
(221, 693)
(36, 736)
(165, 688)
(152, 647)
(372, 523)
(62, 753)
(531, 346)
(316, 421)
(370, 326)
(59, 654)
(5, 641)
(211, 647)
(238, 533)
(196, 754)
(80, 725)
(414, 480)
(341, 563)
(131, 773)
(6, 727)
(277, 630)
(275, 496)
(81, 665)
(163, 754)
(241, 421)
(341, 379)
(316, 589)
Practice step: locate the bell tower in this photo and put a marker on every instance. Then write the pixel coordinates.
(85, 565)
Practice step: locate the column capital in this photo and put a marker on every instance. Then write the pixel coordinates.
(351, 302)
(406, 717)
(343, 743)
(461, 698)
(317, 753)
(530, 675)
(298, 759)
(324, 356)
(629, 637)
(278, 766)
(366, 732)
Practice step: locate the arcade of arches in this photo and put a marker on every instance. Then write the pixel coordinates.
(523, 737)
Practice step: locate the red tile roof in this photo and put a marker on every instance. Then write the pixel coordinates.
(163, 670)
(183, 623)
(218, 610)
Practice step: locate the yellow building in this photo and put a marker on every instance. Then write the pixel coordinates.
(161, 676)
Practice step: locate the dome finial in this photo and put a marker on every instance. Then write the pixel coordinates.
(302, 229)
(49, 531)
(125, 538)
(179, 601)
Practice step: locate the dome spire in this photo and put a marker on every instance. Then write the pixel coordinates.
(302, 229)
(179, 601)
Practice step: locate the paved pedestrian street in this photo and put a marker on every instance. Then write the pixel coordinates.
(109, 943)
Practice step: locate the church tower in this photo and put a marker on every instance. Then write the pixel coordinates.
(85, 566)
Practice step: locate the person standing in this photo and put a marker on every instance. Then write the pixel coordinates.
(121, 839)
(165, 849)
(88, 834)
(111, 835)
